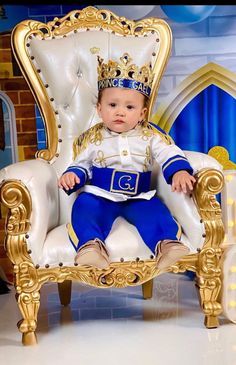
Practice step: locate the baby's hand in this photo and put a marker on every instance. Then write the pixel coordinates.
(68, 180)
(182, 181)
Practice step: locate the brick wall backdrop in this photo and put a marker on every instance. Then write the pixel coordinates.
(18, 91)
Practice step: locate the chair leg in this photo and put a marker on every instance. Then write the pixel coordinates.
(209, 289)
(65, 292)
(29, 306)
(147, 289)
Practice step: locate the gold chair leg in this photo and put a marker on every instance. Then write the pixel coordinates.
(147, 289)
(29, 306)
(65, 292)
(209, 289)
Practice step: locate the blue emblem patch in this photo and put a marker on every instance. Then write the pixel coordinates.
(124, 182)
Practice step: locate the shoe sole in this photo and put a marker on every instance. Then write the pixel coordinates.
(171, 257)
(92, 261)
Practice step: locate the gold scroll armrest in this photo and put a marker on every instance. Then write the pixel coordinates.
(29, 186)
(15, 196)
(210, 182)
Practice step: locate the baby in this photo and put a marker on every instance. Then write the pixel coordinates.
(112, 168)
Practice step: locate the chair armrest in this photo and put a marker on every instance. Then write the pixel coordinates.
(191, 212)
(210, 182)
(29, 190)
(200, 160)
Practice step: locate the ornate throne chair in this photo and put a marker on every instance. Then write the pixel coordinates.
(59, 62)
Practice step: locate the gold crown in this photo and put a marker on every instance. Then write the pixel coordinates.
(125, 75)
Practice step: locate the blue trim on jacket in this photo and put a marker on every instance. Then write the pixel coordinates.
(175, 164)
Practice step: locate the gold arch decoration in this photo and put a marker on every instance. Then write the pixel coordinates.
(207, 75)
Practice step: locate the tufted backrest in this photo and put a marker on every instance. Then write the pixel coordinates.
(59, 61)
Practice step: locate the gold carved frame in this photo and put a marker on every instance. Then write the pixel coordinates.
(15, 196)
(87, 18)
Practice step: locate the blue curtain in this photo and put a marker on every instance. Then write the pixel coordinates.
(208, 120)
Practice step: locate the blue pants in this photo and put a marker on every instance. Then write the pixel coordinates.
(93, 216)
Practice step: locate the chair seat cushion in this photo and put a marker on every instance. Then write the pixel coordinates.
(123, 242)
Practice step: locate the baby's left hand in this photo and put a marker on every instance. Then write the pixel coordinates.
(182, 181)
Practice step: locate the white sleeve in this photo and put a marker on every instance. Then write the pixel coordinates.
(170, 157)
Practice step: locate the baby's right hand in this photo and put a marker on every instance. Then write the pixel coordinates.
(68, 180)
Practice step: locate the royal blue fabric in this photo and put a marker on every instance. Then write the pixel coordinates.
(125, 83)
(93, 216)
(208, 120)
(174, 164)
(121, 181)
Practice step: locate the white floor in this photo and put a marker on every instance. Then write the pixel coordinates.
(117, 326)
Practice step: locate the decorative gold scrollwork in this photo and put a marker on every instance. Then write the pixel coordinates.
(26, 277)
(15, 196)
(210, 182)
(210, 262)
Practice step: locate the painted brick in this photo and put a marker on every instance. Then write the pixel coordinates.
(26, 97)
(222, 10)
(5, 41)
(27, 139)
(44, 10)
(6, 71)
(184, 65)
(219, 26)
(206, 46)
(166, 84)
(42, 145)
(24, 111)
(21, 155)
(28, 125)
(41, 19)
(18, 125)
(29, 152)
(181, 30)
(14, 96)
(37, 112)
(41, 135)
(67, 8)
(39, 123)
(5, 55)
(13, 84)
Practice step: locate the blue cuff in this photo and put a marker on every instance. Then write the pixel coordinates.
(81, 173)
(175, 164)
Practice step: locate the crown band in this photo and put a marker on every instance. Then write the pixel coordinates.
(125, 83)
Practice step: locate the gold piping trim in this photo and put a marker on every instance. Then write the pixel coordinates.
(72, 234)
(179, 233)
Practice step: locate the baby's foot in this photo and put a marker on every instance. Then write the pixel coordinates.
(168, 252)
(93, 253)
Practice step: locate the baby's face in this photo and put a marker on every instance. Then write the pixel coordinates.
(121, 109)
